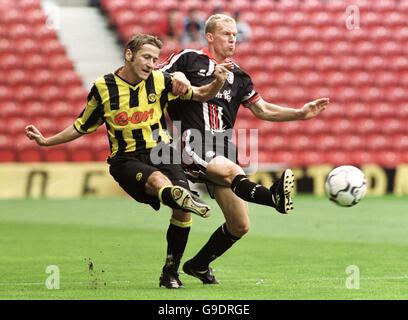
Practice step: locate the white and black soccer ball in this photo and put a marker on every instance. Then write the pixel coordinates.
(346, 185)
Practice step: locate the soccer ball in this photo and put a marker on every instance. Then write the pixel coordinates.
(346, 185)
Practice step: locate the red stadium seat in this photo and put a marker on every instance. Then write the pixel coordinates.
(25, 45)
(342, 126)
(36, 109)
(7, 149)
(34, 61)
(399, 142)
(42, 76)
(310, 157)
(59, 62)
(35, 16)
(46, 125)
(42, 32)
(351, 142)
(60, 108)
(56, 154)
(29, 4)
(9, 108)
(28, 150)
(377, 142)
(76, 93)
(324, 143)
(19, 30)
(68, 77)
(50, 92)
(360, 110)
(7, 154)
(365, 126)
(51, 46)
(6, 93)
(361, 157)
(79, 150)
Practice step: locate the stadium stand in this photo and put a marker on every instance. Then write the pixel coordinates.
(299, 50)
(39, 83)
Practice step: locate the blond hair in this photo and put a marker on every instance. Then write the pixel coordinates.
(211, 23)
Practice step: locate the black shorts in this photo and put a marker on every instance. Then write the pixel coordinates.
(197, 155)
(131, 170)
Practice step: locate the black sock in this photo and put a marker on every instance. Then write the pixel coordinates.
(166, 197)
(251, 191)
(177, 236)
(220, 241)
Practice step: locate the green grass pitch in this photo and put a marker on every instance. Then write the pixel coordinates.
(303, 255)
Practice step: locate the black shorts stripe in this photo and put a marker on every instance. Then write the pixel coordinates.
(113, 91)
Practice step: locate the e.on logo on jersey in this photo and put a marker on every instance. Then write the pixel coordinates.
(122, 118)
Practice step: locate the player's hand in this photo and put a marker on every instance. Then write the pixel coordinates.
(312, 109)
(34, 134)
(180, 84)
(222, 70)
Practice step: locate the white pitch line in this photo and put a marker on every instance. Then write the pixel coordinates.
(63, 282)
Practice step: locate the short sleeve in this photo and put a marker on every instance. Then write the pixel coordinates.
(167, 84)
(250, 95)
(92, 116)
(187, 96)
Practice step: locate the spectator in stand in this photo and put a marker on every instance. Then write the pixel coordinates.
(174, 26)
(193, 35)
(243, 28)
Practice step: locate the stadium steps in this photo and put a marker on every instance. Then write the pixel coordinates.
(89, 42)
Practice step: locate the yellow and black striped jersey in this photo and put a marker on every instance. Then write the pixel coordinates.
(133, 114)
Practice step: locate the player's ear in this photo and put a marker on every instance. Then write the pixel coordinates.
(209, 36)
(128, 55)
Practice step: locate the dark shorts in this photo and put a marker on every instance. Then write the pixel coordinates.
(131, 170)
(197, 155)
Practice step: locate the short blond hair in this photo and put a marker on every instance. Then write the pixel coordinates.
(211, 23)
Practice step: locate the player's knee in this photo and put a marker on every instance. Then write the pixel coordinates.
(239, 229)
(224, 168)
(181, 215)
(156, 181)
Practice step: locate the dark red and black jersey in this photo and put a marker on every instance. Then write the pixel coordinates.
(219, 113)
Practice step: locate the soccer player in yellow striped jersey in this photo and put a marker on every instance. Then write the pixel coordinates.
(131, 102)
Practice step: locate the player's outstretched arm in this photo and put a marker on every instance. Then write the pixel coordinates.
(209, 91)
(272, 112)
(66, 135)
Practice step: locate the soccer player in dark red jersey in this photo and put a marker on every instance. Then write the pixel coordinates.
(217, 163)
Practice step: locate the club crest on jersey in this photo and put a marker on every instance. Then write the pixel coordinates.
(139, 176)
(151, 97)
(230, 78)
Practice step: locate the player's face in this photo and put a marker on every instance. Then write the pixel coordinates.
(224, 38)
(142, 62)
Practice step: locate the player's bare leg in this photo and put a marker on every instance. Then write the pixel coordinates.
(225, 172)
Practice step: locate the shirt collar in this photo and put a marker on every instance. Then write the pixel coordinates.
(208, 53)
